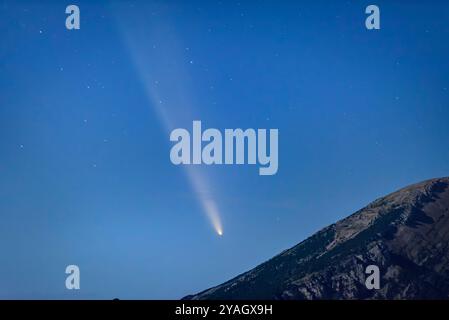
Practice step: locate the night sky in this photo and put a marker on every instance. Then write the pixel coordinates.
(85, 117)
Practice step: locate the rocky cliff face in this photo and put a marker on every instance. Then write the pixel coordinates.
(406, 234)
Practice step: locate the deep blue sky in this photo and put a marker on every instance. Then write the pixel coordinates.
(85, 173)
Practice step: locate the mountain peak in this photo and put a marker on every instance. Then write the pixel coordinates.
(406, 234)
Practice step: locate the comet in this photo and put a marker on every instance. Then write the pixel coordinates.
(141, 52)
(201, 189)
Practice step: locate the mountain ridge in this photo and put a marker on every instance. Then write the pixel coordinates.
(405, 233)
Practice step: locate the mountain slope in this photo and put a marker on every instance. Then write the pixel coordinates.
(406, 234)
